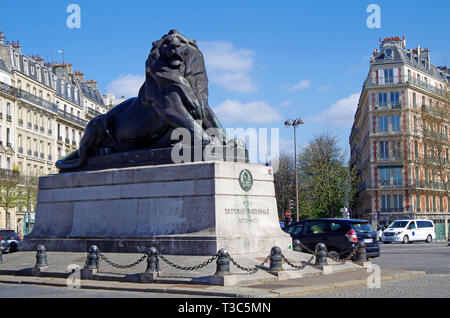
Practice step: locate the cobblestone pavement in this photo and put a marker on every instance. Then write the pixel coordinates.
(432, 258)
(432, 285)
(24, 291)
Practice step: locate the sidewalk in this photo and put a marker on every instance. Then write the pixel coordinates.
(195, 282)
(293, 287)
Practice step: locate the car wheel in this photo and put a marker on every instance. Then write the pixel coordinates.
(429, 239)
(405, 239)
(334, 255)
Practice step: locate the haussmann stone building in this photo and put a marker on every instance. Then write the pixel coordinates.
(44, 108)
(400, 138)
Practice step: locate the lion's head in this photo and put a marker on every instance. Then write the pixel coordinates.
(176, 60)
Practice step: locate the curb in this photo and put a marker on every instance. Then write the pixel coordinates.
(296, 291)
(214, 291)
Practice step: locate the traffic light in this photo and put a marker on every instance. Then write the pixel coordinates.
(291, 205)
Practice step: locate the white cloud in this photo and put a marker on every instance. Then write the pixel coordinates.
(126, 85)
(301, 86)
(257, 112)
(228, 66)
(285, 104)
(323, 89)
(340, 113)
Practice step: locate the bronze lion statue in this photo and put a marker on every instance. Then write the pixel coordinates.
(174, 95)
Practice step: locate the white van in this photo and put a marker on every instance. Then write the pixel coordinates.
(406, 231)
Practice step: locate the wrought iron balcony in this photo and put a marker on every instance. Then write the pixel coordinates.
(396, 80)
(37, 100)
(72, 118)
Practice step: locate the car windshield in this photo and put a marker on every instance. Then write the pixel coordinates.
(398, 224)
(362, 227)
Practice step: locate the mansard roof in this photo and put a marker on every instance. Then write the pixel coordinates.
(392, 52)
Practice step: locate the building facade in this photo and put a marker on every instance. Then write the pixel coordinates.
(44, 109)
(400, 138)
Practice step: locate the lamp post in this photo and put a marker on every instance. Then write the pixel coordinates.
(294, 123)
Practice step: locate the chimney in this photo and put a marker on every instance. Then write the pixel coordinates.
(2, 38)
(79, 76)
(404, 42)
(92, 84)
(62, 70)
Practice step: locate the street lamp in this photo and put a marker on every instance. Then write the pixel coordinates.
(294, 123)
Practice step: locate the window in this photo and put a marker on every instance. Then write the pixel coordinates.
(415, 100)
(382, 99)
(316, 227)
(398, 202)
(397, 174)
(384, 176)
(295, 229)
(395, 121)
(395, 99)
(396, 150)
(383, 124)
(416, 150)
(384, 150)
(389, 76)
(412, 225)
(385, 203)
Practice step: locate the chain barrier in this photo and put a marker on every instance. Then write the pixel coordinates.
(349, 256)
(250, 270)
(352, 253)
(300, 267)
(122, 266)
(189, 268)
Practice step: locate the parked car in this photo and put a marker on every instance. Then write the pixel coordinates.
(380, 232)
(4, 246)
(407, 231)
(12, 240)
(339, 235)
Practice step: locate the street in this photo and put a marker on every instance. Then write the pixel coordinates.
(433, 258)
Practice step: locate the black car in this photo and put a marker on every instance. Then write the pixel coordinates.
(339, 235)
(10, 241)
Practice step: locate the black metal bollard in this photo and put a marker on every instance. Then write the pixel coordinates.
(297, 246)
(152, 261)
(93, 258)
(223, 263)
(41, 257)
(321, 257)
(361, 253)
(276, 260)
(1, 256)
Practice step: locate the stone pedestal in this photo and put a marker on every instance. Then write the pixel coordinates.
(181, 209)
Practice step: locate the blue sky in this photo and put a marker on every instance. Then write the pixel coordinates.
(266, 60)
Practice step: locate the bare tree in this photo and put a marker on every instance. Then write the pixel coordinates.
(284, 180)
(10, 192)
